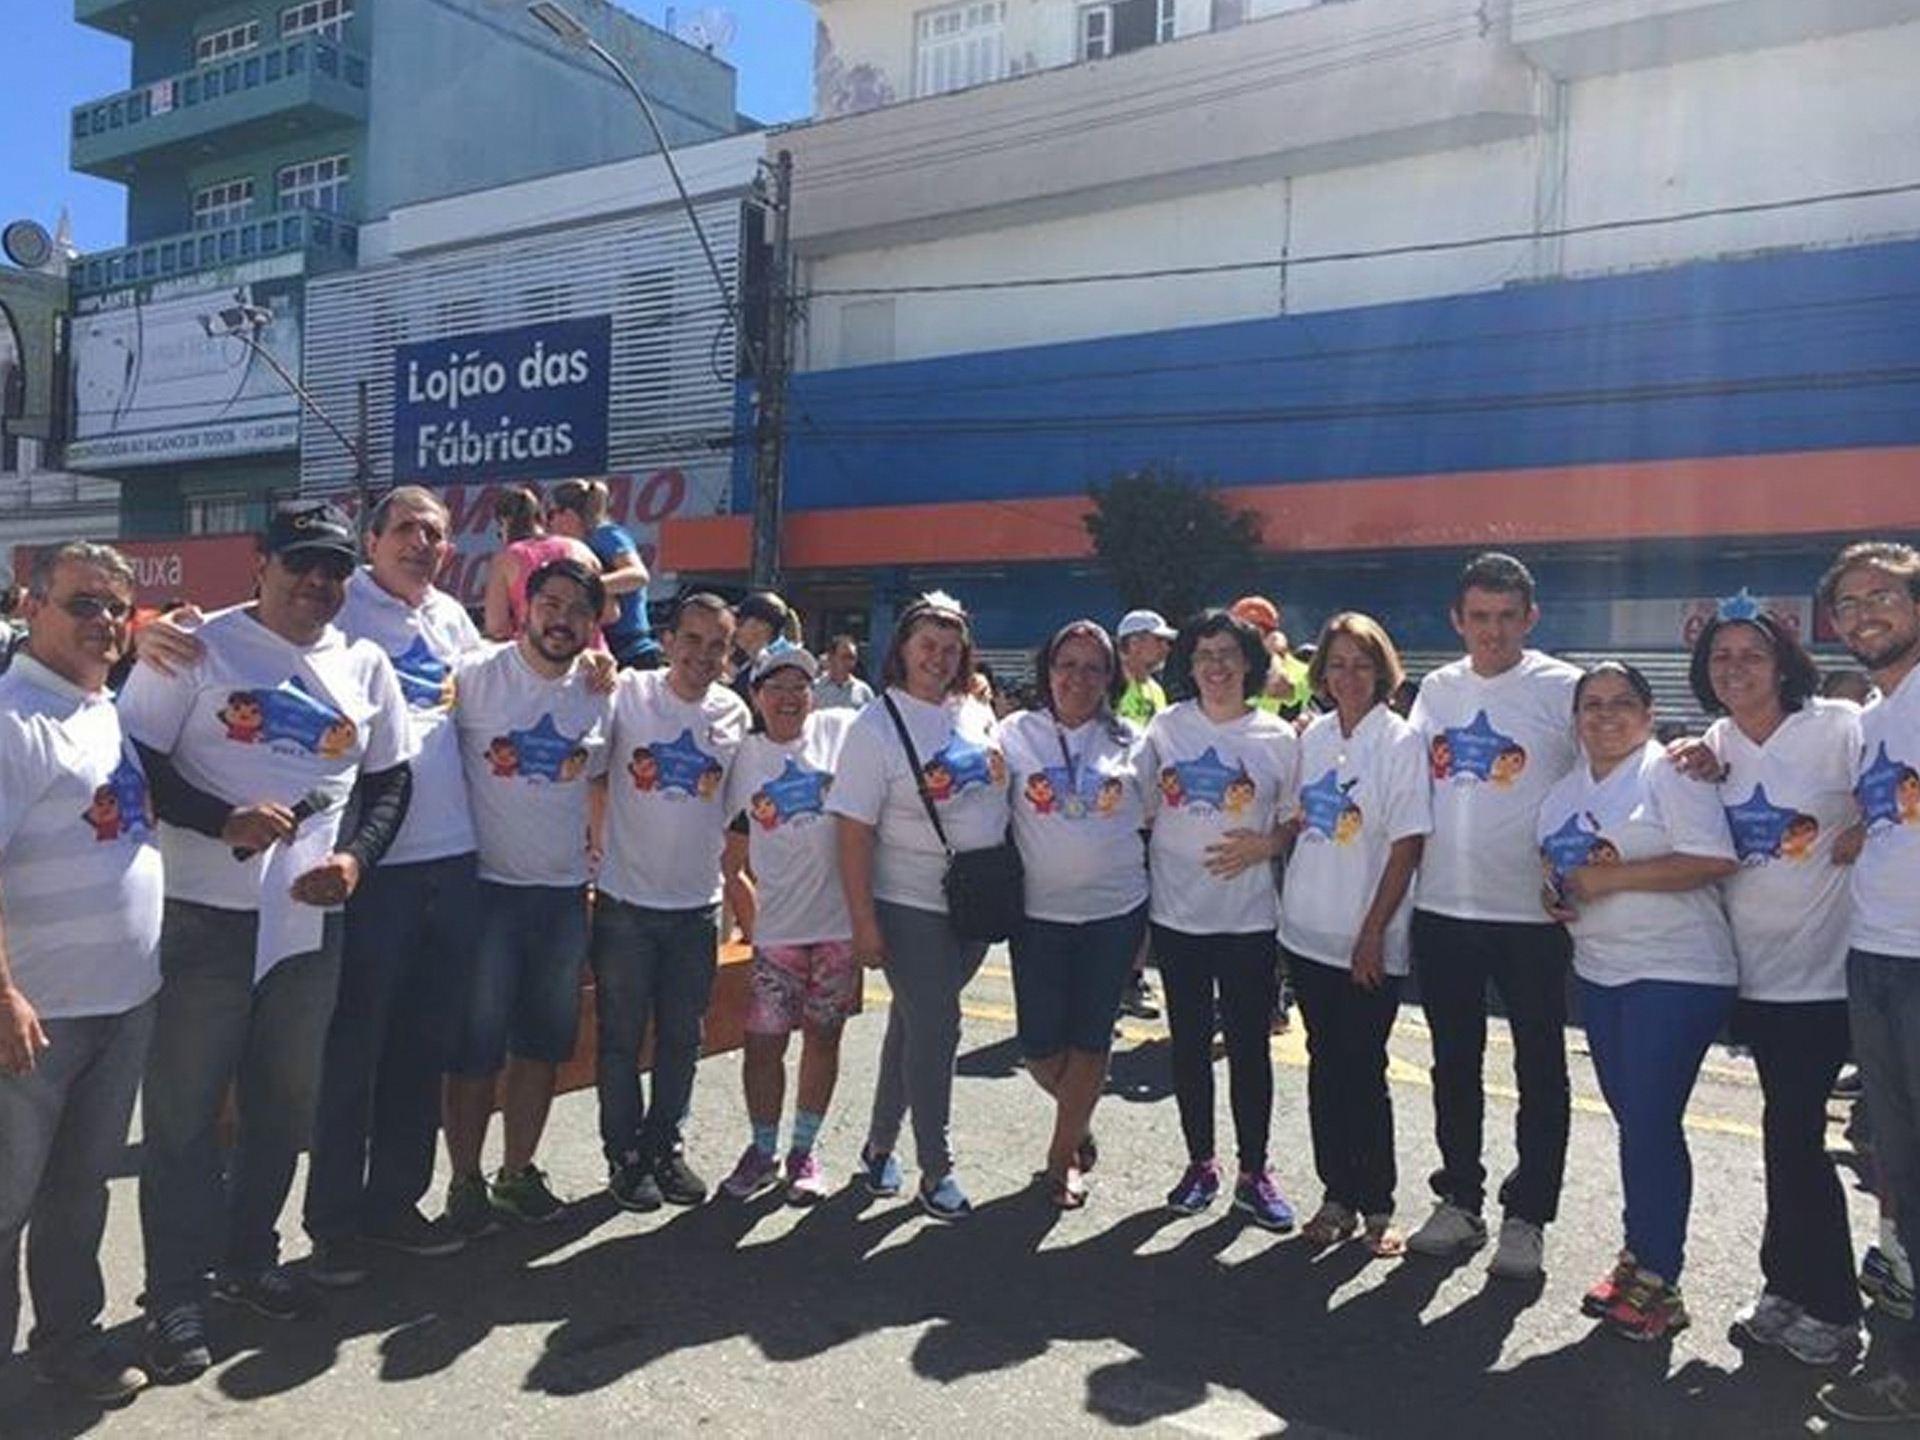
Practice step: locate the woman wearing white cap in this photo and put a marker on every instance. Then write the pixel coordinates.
(1144, 639)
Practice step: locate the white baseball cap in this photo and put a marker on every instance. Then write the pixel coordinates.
(1144, 622)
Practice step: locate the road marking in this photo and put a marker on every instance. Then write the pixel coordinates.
(1290, 1050)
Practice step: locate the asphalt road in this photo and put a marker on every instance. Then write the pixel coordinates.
(860, 1317)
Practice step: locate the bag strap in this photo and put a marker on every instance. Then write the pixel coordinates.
(919, 779)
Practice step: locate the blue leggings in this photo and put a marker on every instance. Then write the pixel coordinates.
(1648, 1039)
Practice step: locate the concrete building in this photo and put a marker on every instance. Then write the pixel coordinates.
(256, 139)
(1628, 286)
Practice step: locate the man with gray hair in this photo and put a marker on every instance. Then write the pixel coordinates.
(80, 898)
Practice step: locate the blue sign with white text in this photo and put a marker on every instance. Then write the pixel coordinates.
(528, 403)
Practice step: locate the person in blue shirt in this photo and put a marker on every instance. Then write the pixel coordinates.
(578, 508)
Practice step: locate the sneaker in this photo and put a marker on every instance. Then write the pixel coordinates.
(1605, 1292)
(1883, 1399)
(338, 1264)
(1196, 1190)
(1821, 1342)
(806, 1182)
(880, 1173)
(526, 1196)
(92, 1371)
(757, 1173)
(274, 1292)
(679, 1183)
(1765, 1322)
(470, 1211)
(1137, 999)
(1521, 1253)
(945, 1200)
(1449, 1230)
(633, 1187)
(1847, 1085)
(1648, 1309)
(411, 1233)
(1882, 1284)
(1259, 1197)
(177, 1344)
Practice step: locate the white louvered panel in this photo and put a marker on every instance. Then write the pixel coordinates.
(670, 389)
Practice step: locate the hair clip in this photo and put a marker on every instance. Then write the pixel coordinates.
(1738, 607)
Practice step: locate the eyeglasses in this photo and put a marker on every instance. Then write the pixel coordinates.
(1852, 607)
(1224, 655)
(93, 607)
(331, 563)
(786, 687)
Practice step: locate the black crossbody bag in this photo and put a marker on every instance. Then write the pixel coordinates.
(985, 889)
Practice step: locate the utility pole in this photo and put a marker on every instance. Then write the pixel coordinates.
(770, 388)
(362, 474)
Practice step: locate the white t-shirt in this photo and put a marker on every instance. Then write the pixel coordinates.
(1077, 815)
(1643, 809)
(422, 642)
(1886, 877)
(666, 803)
(1206, 779)
(80, 877)
(1786, 802)
(1494, 746)
(529, 746)
(965, 773)
(1358, 794)
(258, 718)
(791, 844)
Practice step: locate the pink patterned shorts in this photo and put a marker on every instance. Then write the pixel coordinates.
(795, 985)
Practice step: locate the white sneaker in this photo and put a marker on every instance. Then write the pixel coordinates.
(1765, 1322)
(1521, 1250)
(1449, 1230)
(1820, 1342)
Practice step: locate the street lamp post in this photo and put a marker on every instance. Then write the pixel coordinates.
(769, 374)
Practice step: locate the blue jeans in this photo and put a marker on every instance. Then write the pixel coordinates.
(1648, 1039)
(199, 1209)
(404, 976)
(1883, 1005)
(525, 996)
(1067, 980)
(63, 1126)
(653, 965)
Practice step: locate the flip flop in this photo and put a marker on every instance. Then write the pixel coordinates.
(1067, 1192)
(1382, 1240)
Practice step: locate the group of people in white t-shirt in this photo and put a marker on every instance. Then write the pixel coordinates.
(492, 817)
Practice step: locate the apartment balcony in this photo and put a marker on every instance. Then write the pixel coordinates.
(1301, 92)
(1601, 36)
(320, 241)
(262, 97)
(132, 18)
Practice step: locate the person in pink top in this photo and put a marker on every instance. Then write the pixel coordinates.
(519, 517)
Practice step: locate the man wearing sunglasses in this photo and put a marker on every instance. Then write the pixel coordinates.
(79, 935)
(253, 751)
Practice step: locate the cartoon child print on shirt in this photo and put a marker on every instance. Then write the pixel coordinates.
(121, 806)
(1055, 790)
(426, 681)
(1476, 753)
(676, 767)
(502, 758)
(1329, 812)
(1039, 792)
(1208, 783)
(644, 769)
(243, 717)
(541, 752)
(961, 763)
(289, 717)
(1764, 832)
(1577, 842)
(1888, 792)
(796, 793)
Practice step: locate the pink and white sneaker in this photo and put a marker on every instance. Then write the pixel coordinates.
(806, 1185)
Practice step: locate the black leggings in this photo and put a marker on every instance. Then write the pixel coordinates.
(1239, 971)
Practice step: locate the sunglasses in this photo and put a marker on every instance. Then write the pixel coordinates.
(93, 607)
(330, 563)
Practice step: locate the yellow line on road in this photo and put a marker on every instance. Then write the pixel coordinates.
(1290, 1050)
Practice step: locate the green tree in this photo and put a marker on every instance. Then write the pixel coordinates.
(1171, 542)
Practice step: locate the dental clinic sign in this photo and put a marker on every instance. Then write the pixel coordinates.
(528, 403)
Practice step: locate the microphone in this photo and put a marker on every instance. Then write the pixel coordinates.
(305, 808)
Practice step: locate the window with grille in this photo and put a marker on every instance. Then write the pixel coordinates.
(960, 45)
(1122, 25)
(228, 203)
(315, 185)
(316, 17)
(219, 44)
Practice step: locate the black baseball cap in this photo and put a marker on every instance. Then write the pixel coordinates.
(314, 526)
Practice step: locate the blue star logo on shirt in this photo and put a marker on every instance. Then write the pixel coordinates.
(1477, 751)
(542, 752)
(120, 808)
(1572, 845)
(289, 714)
(958, 764)
(1764, 831)
(425, 679)
(1208, 780)
(794, 792)
(685, 767)
(1328, 809)
(1888, 791)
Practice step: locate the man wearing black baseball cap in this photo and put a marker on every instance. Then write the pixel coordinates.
(252, 751)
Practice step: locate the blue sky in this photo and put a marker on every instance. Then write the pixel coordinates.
(49, 64)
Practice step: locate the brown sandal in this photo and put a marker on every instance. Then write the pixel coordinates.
(1331, 1223)
(1382, 1240)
